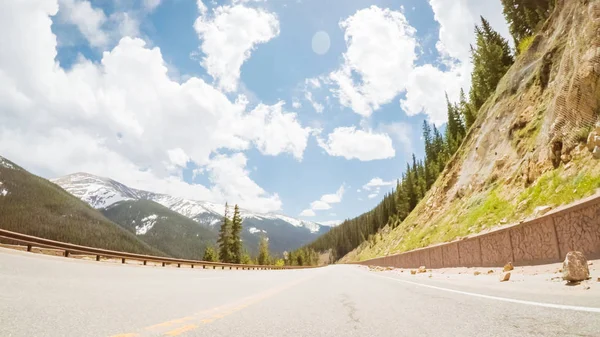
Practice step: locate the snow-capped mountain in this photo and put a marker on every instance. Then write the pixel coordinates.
(102, 192)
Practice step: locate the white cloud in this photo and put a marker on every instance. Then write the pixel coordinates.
(123, 117)
(229, 36)
(372, 195)
(296, 104)
(308, 212)
(457, 20)
(151, 4)
(350, 143)
(358, 190)
(316, 105)
(331, 223)
(377, 183)
(89, 20)
(320, 205)
(427, 84)
(324, 203)
(381, 51)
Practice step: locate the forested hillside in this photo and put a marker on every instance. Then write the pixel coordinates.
(33, 205)
(503, 144)
(159, 227)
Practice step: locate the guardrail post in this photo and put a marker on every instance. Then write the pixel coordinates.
(230, 267)
(203, 267)
(179, 265)
(192, 266)
(123, 260)
(145, 262)
(214, 267)
(97, 257)
(163, 264)
(223, 267)
(28, 248)
(66, 253)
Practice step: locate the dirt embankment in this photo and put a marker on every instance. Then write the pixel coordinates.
(526, 152)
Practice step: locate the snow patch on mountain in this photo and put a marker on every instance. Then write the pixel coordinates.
(3, 191)
(147, 224)
(102, 192)
(255, 230)
(97, 191)
(6, 164)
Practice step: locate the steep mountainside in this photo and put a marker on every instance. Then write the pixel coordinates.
(527, 148)
(162, 228)
(35, 206)
(284, 233)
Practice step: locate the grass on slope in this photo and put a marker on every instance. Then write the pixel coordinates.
(498, 205)
(171, 233)
(35, 206)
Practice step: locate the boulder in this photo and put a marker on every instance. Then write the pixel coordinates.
(591, 141)
(596, 152)
(413, 272)
(575, 267)
(505, 277)
(476, 273)
(422, 269)
(508, 267)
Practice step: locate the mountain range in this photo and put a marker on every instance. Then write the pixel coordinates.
(284, 233)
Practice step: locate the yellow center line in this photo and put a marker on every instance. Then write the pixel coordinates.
(210, 315)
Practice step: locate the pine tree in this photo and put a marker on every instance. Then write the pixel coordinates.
(491, 59)
(224, 239)
(465, 110)
(246, 259)
(236, 240)
(210, 255)
(525, 16)
(263, 251)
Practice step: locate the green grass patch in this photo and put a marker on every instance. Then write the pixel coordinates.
(524, 44)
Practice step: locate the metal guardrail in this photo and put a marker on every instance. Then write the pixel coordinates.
(69, 248)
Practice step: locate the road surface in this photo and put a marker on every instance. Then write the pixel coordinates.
(53, 296)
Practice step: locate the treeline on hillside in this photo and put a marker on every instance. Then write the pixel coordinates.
(230, 248)
(492, 57)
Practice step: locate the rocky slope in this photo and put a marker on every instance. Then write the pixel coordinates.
(527, 150)
(284, 233)
(33, 205)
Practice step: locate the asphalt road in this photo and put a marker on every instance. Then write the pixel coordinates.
(53, 296)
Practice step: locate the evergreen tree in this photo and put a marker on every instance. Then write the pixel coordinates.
(245, 258)
(525, 16)
(236, 240)
(491, 59)
(210, 255)
(224, 239)
(465, 110)
(263, 251)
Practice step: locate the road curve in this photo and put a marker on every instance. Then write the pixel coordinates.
(53, 296)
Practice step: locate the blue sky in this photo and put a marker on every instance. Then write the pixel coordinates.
(386, 70)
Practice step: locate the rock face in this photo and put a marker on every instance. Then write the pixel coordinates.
(575, 267)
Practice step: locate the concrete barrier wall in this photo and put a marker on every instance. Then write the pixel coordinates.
(543, 240)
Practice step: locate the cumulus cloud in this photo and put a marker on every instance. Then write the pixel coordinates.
(380, 52)
(350, 143)
(324, 203)
(372, 195)
(402, 132)
(376, 183)
(88, 20)
(123, 117)
(229, 36)
(308, 212)
(427, 84)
